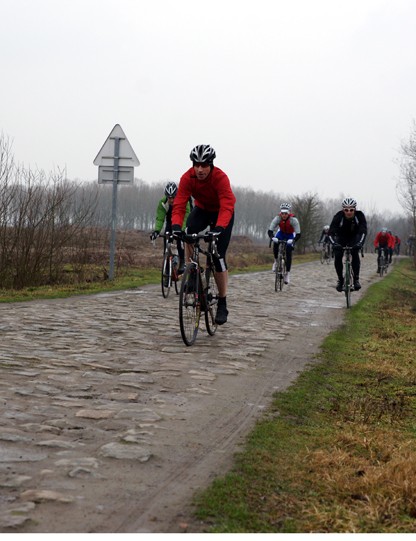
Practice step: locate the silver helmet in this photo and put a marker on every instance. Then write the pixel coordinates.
(171, 189)
(203, 154)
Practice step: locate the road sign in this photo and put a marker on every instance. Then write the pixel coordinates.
(126, 157)
(106, 174)
(116, 161)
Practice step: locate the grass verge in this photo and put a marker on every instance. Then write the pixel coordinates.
(336, 452)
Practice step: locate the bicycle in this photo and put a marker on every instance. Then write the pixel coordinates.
(348, 275)
(199, 291)
(279, 278)
(170, 265)
(382, 261)
(326, 253)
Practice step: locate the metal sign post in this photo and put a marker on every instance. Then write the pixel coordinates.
(116, 161)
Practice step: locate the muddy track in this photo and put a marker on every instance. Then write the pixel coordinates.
(110, 424)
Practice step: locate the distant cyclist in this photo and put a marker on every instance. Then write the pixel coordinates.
(324, 238)
(288, 228)
(164, 218)
(348, 228)
(384, 242)
(214, 208)
(324, 235)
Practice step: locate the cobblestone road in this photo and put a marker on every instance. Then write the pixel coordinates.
(109, 423)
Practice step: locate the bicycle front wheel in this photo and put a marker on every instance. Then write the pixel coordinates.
(211, 301)
(166, 275)
(323, 255)
(175, 276)
(328, 255)
(280, 273)
(189, 306)
(347, 283)
(382, 265)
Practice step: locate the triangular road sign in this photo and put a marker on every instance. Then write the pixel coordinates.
(127, 156)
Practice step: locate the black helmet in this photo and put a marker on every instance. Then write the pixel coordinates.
(203, 154)
(171, 189)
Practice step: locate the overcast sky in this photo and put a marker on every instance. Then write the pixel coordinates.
(295, 96)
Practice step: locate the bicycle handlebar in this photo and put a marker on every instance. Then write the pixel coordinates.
(209, 237)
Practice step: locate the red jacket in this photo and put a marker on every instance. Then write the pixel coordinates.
(213, 194)
(384, 239)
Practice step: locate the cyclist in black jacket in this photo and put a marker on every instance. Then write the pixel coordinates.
(348, 228)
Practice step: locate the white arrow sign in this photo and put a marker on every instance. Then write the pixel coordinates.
(126, 157)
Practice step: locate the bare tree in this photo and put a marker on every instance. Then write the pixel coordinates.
(406, 186)
(307, 209)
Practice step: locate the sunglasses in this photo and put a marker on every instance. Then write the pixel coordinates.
(201, 164)
(349, 210)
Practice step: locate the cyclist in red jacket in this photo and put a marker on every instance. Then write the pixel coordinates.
(213, 206)
(384, 241)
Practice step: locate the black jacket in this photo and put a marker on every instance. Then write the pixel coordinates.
(343, 231)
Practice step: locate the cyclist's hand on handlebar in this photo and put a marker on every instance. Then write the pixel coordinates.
(358, 246)
(290, 242)
(270, 233)
(154, 235)
(177, 231)
(218, 229)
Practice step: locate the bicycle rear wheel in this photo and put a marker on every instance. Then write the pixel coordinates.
(211, 300)
(166, 275)
(189, 306)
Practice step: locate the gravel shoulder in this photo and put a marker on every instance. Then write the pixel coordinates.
(109, 423)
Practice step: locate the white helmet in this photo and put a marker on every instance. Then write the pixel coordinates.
(349, 202)
(285, 207)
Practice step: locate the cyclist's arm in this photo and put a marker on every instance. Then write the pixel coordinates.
(187, 212)
(160, 216)
(226, 198)
(296, 225)
(181, 200)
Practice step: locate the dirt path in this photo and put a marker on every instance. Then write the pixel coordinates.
(110, 424)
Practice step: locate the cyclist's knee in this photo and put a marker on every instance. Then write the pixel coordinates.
(220, 264)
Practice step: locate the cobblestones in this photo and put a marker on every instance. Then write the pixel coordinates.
(93, 384)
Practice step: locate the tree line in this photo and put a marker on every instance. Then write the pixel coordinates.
(49, 223)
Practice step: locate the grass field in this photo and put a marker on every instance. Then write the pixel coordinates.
(336, 452)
